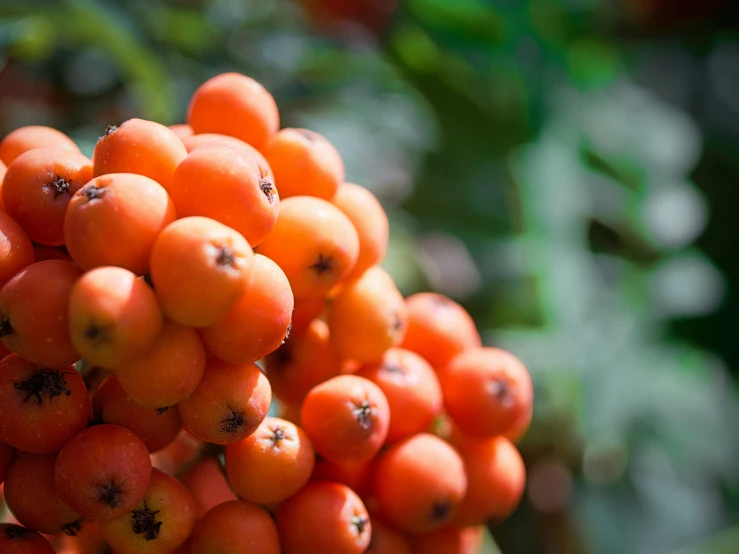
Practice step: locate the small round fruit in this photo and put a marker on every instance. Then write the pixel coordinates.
(486, 391)
(419, 483)
(103, 472)
(324, 517)
(272, 463)
(235, 527)
(346, 418)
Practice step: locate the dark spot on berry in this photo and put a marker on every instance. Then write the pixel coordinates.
(323, 264)
(398, 323)
(92, 192)
(163, 410)
(287, 332)
(59, 186)
(96, 333)
(363, 413)
(49, 382)
(393, 367)
(5, 327)
(278, 435)
(225, 256)
(144, 522)
(441, 510)
(109, 494)
(234, 422)
(71, 529)
(360, 522)
(109, 129)
(16, 532)
(266, 186)
(501, 390)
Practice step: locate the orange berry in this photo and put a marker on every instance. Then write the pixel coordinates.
(271, 464)
(228, 182)
(324, 517)
(496, 478)
(139, 146)
(200, 269)
(235, 105)
(115, 219)
(114, 316)
(419, 482)
(369, 219)
(207, 483)
(486, 391)
(412, 390)
(234, 528)
(304, 163)
(304, 361)
(346, 418)
(37, 188)
(169, 371)
(27, 138)
(33, 313)
(16, 249)
(260, 320)
(229, 404)
(438, 328)
(367, 316)
(314, 243)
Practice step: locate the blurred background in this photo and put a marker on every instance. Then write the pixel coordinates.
(568, 170)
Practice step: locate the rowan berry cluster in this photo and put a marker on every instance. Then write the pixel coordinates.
(157, 300)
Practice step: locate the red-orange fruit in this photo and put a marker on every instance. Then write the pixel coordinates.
(31, 497)
(114, 316)
(496, 476)
(486, 391)
(259, 322)
(16, 249)
(231, 183)
(346, 418)
(438, 328)
(412, 389)
(272, 463)
(367, 317)
(235, 105)
(235, 527)
(115, 219)
(40, 408)
(103, 472)
(419, 482)
(158, 524)
(200, 269)
(369, 219)
(228, 404)
(139, 146)
(15, 539)
(33, 313)
(304, 163)
(324, 517)
(314, 243)
(37, 188)
(29, 137)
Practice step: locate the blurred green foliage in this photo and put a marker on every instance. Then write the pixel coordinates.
(565, 169)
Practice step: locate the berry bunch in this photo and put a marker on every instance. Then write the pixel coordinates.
(158, 300)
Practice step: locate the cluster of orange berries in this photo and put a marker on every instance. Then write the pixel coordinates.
(158, 300)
